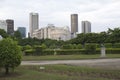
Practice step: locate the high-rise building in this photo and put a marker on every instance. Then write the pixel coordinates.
(86, 27)
(34, 23)
(74, 23)
(3, 25)
(22, 30)
(10, 26)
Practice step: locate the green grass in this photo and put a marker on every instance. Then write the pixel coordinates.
(67, 57)
(61, 72)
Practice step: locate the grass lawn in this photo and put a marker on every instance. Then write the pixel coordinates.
(61, 72)
(67, 57)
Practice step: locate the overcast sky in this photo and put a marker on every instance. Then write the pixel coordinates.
(103, 14)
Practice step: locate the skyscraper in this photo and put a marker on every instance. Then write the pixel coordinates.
(74, 23)
(34, 23)
(22, 30)
(86, 27)
(10, 26)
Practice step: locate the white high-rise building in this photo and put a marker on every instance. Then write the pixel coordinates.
(86, 27)
(33, 23)
(3, 25)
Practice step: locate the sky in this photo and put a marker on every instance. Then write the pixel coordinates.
(102, 14)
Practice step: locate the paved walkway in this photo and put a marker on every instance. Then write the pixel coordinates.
(115, 63)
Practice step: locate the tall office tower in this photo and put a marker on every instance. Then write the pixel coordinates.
(74, 23)
(34, 23)
(10, 26)
(86, 27)
(3, 25)
(22, 30)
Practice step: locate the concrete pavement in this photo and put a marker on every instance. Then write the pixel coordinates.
(92, 62)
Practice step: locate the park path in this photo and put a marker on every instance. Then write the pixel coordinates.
(114, 63)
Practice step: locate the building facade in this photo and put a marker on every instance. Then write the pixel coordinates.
(86, 27)
(52, 32)
(33, 23)
(10, 26)
(74, 23)
(22, 30)
(3, 25)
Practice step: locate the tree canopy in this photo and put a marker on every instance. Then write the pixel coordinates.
(3, 33)
(10, 54)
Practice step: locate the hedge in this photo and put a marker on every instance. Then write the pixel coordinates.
(72, 51)
(29, 52)
(113, 50)
(116, 45)
(48, 52)
(90, 48)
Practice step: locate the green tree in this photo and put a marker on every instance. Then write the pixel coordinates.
(3, 33)
(17, 35)
(10, 54)
(114, 35)
(102, 38)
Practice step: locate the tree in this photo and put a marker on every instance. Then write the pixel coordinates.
(10, 54)
(114, 35)
(102, 38)
(17, 35)
(3, 33)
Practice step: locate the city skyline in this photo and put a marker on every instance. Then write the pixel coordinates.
(102, 14)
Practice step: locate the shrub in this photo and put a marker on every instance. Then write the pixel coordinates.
(27, 47)
(70, 51)
(98, 45)
(116, 45)
(67, 46)
(48, 52)
(90, 48)
(108, 45)
(113, 50)
(29, 52)
(79, 46)
(38, 50)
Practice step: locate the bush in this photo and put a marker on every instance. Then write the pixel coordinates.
(38, 50)
(79, 46)
(27, 47)
(113, 50)
(98, 45)
(70, 51)
(67, 46)
(48, 52)
(108, 45)
(116, 45)
(90, 48)
(29, 52)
